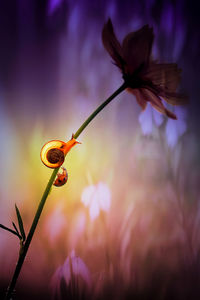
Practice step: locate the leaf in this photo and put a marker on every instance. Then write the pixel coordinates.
(8, 229)
(20, 222)
(16, 229)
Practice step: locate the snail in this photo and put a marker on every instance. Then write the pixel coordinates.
(61, 178)
(53, 153)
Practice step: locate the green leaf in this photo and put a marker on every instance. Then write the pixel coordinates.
(20, 222)
(16, 229)
(8, 229)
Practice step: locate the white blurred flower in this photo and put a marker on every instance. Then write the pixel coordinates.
(176, 129)
(173, 129)
(147, 117)
(96, 197)
(72, 278)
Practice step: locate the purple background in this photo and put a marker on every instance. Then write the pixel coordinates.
(54, 72)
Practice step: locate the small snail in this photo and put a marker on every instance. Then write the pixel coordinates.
(53, 153)
(61, 178)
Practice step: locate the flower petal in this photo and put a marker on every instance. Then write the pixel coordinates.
(174, 130)
(55, 283)
(164, 75)
(174, 98)
(165, 78)
(73, 267)
(136, 48)
(146, 121)
(158, 118)
(88, 194)
(112, 45)
(94, 208)
(103, 196)
(157, 104)
(139, 97)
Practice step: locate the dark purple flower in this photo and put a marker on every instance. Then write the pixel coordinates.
(147, 79)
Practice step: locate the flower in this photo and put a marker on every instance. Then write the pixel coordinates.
(145, 78)
(97, 197)
(175, 131)
(148, 118)
(72, 279)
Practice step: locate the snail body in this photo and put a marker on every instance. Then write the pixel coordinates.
(61, 178)
(53, 153)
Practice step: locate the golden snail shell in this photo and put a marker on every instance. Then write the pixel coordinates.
(53, 153)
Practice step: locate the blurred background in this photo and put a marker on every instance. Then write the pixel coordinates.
(126, 224)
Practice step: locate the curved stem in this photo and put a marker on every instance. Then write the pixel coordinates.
(93, 115)
(25, 247)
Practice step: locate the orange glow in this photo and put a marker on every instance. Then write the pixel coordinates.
(53, 153)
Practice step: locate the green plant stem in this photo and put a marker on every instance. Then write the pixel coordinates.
(25, 247)
(93, 115)
(22, 253)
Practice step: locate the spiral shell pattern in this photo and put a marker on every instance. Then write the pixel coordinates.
(53, 154)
